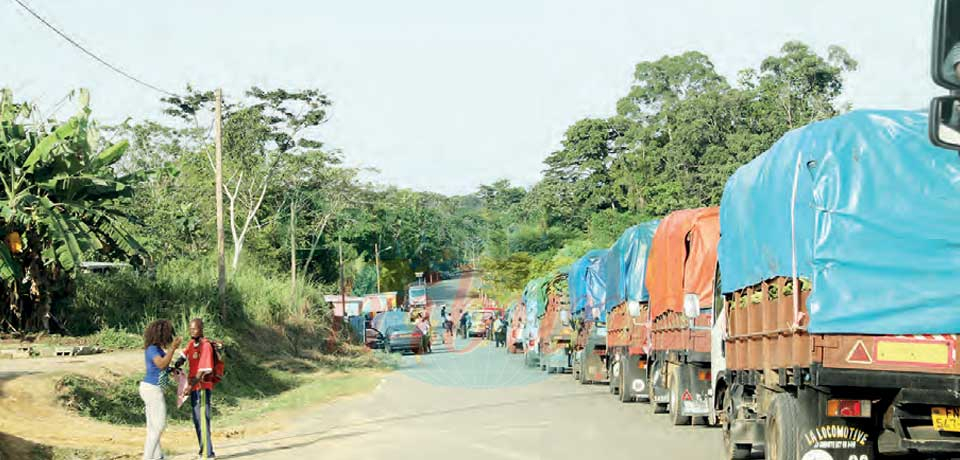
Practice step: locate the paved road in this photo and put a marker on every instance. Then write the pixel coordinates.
(475, 401)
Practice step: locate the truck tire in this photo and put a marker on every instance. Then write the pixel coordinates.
(583, 372)
(781, 430)
(731, 449)
(614, 373)
(673, 386)
(655, 407)
(625, 391)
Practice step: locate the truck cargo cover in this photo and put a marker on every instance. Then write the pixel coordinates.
(877, 224)
(625, 265)
(579, 284)
(672, 269)
(596, 289)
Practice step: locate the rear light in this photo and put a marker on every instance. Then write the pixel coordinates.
(641, 364)
(848, 408)
(703, 375)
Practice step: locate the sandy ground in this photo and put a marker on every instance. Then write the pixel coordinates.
(29, 411)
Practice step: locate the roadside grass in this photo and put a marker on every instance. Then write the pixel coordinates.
(315, 389)
(276, 354)
(246, 384)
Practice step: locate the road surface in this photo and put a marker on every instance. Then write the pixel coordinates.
(478, 402)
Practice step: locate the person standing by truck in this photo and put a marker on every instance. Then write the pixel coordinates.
(199, 353)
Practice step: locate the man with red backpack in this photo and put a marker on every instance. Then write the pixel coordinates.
(205, 370)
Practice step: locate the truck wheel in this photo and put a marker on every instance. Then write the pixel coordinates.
(614, 373)
(674, 388)
(584, 379)
(731, 449)
(625, 391)
(781, 428)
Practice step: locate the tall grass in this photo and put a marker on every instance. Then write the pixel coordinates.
(269, 341)
(182, 289)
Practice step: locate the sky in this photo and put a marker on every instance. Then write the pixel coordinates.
(443, 95)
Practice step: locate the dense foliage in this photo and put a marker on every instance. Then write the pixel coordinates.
(146, 195)
(679, 132)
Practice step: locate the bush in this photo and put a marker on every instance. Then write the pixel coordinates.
(117, 339)
(182, 289)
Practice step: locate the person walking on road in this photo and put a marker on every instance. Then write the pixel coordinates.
(501, 332)
(448, 325)
(159, 334)
(199, 354)
(423, 323)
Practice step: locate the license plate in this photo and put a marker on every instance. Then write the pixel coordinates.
(946, 418)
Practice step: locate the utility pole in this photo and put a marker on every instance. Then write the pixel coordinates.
(376, 250)
(218, 173)
(343, 294)
(293, 256)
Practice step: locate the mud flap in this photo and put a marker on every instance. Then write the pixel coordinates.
(694, 391)
(634, 378)
(829, 438)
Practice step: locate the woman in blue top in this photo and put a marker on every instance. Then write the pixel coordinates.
(159, 334)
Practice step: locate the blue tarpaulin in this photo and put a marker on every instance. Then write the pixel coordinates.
(624, 267)
(876, 224)
(596, 289)
(577, 285)
(534, 300)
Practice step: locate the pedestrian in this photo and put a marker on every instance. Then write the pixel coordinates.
(424, 327)
(466, 332)
(157, 336)
(199, 354)
(501, 332)
(448, 324)
(463, 324)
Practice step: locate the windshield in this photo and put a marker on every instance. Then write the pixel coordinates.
(386, 320)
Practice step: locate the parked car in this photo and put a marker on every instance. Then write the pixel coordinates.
(393, 331)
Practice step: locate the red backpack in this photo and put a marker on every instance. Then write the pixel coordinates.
(218, 371)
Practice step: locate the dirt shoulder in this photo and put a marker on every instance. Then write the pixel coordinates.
(33, 424)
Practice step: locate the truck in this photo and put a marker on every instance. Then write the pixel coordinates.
(534, 303)
(628, 333)
(836, 320)
(588, 331)
(554, 331)
(680, 275)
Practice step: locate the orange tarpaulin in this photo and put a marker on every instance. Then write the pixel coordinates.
(683, 259)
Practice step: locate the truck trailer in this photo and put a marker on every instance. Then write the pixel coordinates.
(628, 333)
(836, 333)
(680, 277)
(554, 330)
(587, 291)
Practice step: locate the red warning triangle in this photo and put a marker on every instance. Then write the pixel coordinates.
(859, 354)
(686, 396)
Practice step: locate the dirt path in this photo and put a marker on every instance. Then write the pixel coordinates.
(29, 409)
(32, 420)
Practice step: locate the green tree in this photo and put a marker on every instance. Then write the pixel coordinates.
(64, 203)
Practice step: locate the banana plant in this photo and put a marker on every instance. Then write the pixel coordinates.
(63, 199)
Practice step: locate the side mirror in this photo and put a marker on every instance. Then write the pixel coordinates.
(691, 305)
(945, 50)
(944, 122)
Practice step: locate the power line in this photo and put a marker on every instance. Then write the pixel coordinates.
(89, 53)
